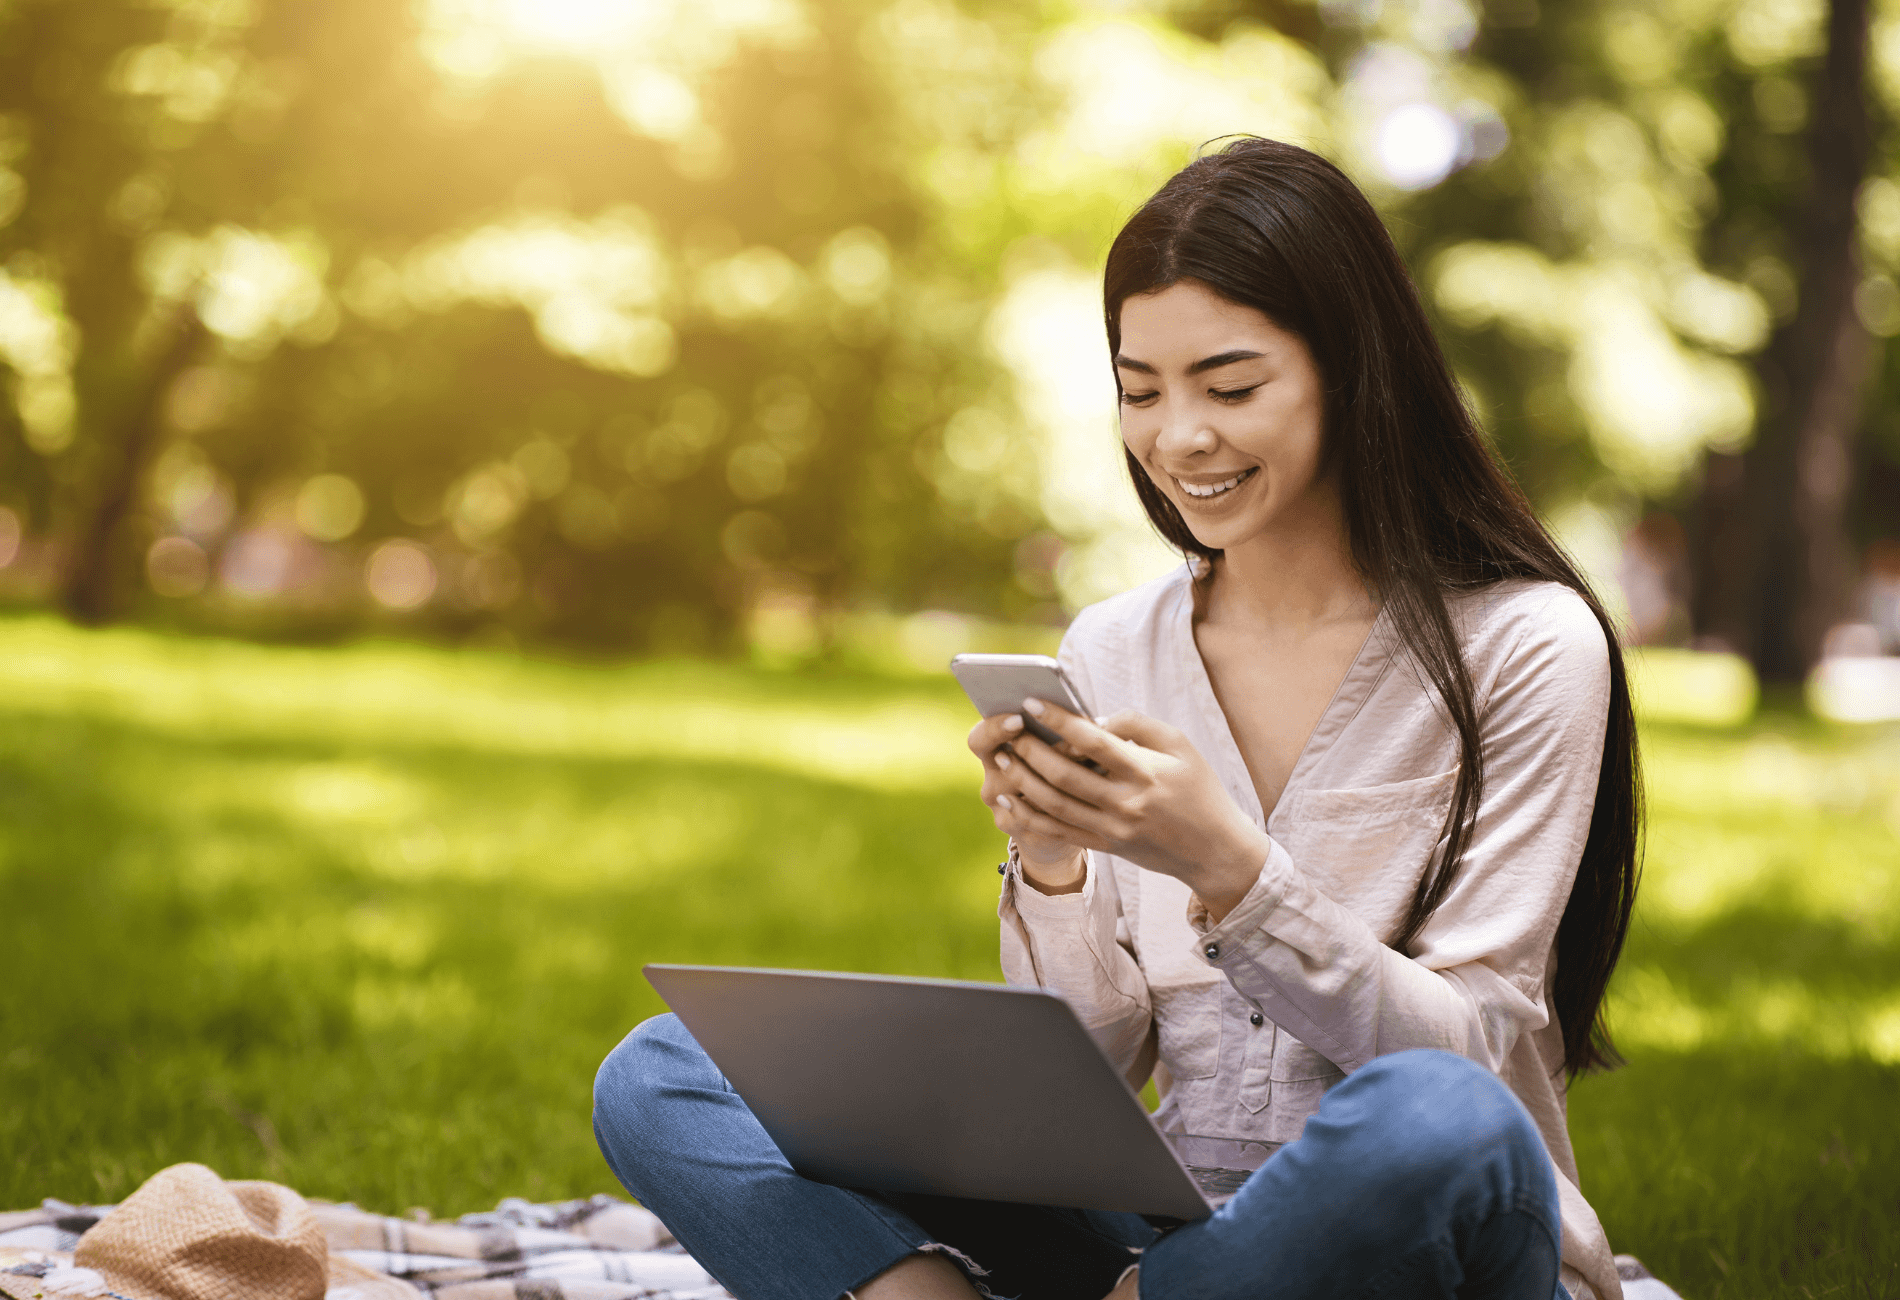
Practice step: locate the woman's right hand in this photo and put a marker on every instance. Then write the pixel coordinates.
(1053, 866)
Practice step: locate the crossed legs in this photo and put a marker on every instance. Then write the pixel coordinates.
(1420, 1175)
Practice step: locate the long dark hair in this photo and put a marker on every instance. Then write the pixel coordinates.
(1428, 508)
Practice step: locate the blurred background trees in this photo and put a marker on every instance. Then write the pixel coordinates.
(663, 326)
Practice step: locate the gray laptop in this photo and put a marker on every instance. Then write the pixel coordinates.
(945, 1087)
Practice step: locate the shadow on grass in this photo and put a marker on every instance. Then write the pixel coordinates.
(1769, 941)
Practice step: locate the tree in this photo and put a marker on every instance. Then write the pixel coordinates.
(617, 344)
(1779, 575)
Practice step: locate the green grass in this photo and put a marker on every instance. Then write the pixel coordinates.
(1752, 1145)
(364, 921)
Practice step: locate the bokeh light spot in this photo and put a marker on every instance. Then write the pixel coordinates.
(1877, 302)
(329, 507)
(1417, 146)
(857, 265)
(39, 343)
(576, 25)
(545, 467)
(257, 562)
(400, 574)
(756, 471)
(177, 567)
(976, 439)
(487, 501)
(201, 501)
(758, 282)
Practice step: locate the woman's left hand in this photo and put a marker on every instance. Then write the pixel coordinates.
(1155, 802)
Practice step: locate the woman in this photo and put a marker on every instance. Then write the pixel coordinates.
(1355, 851)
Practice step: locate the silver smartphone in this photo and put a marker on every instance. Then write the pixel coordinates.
(1000, 683)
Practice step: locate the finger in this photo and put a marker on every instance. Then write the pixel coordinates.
(1017, 816)
(988, 734)
(1065, 773)
(991, 734)
(1149, 733)
(1056, 803)
(1088, 740)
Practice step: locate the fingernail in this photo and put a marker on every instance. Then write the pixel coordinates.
(1002, 801)
(1002, 761)
(1014, 722)
(1034, 706)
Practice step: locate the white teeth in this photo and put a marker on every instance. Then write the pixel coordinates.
(1213, 489)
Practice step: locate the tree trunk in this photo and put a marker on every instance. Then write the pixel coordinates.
(90, 593)
(1719, 588)
(1796, 475)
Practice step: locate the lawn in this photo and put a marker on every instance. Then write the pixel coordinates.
(365, 920)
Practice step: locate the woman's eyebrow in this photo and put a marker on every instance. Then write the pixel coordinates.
(1220, 359)
(1214, 362)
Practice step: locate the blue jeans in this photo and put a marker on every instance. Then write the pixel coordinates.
(1420, 1175)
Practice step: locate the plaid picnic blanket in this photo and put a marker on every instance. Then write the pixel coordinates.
(596, 1249)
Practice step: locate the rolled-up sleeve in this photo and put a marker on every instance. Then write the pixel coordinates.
(1077, 945)
(1080, 945)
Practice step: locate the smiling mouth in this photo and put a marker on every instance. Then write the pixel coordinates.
(1204, 491)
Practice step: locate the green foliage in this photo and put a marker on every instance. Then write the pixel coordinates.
(639, 319)
(618, 354)
(366, 920)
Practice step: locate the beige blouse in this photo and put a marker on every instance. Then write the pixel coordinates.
(1353, 832)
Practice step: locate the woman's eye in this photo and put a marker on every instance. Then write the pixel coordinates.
(1137, 399)
(1232, 394)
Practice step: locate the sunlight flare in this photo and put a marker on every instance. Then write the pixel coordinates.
(576, 26)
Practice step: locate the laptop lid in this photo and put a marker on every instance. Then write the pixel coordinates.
(936, 1086)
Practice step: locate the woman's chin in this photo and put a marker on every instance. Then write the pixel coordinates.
(1219, 534)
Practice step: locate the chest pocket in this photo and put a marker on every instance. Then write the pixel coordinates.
(1301, 1077)
(1295, 1062)
(1372, 803)
(1367, 847)
(1280, 1067)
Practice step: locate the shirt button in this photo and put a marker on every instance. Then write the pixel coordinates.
(1213, 951)
(1256, 1020)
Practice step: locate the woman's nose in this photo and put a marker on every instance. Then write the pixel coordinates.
(1185, 431)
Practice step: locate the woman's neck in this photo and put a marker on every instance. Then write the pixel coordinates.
(1293, 578)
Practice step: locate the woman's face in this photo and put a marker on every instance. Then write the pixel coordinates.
(1224, 409)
